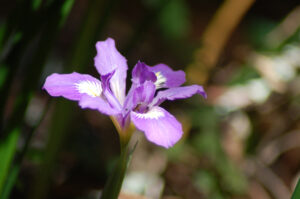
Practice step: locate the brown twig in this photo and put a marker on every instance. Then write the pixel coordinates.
(215, 37)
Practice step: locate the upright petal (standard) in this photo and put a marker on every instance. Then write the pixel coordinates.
(178, 93)
(166, 77)
(107, 60)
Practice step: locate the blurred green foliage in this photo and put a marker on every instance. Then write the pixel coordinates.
(242, 75)
(207, 143)
(174, 20)
(3, 73)
(7, 151)
(257, 32)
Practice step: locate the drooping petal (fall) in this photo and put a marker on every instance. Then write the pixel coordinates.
(166, 77)
(107, 60)
(177, 93)
(159, 126)
(72, 86)
(97, 103)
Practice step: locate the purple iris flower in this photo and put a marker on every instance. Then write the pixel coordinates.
(150, 87)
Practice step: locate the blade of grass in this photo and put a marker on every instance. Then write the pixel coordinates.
(54, 15)
(27, 26)
(10, 182)
(14, 172)
(93, 24)
(296, 193)
(35, 68)
(7, 151)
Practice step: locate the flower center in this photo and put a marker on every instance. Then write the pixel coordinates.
(161, 80)
(153, 113)
(141, 107)
(91, 88)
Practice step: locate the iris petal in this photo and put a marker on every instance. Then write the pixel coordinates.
(72, 86)
(107, 60)
(177, 93)
(166, 77)
(159, 126)
(97, 103)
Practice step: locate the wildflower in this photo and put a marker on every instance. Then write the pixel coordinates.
(150, 87)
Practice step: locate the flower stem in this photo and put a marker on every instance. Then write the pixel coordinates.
(114, 183)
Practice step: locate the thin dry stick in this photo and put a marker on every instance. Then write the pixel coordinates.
(286, 28)
(215, 37)
(271, 181)
(271, 151)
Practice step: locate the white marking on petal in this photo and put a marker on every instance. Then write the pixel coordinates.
(115, 87)
(160, 80)
(153, 113)
(91, 88)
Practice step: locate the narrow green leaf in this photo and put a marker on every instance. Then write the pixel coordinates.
(65, 10)
(93, 24)
(66, 7)
(7, 151)
(10, 182)
(296, 193)
(12, 176)
(50, 29)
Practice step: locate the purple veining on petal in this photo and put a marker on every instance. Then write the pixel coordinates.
(105, 79)
(107, 93)
(140, 74)
(159, 126)
(140, 95)
(171, 78)
(72, 86)
(112, 100)
(177, 93)
(143, 95)
(128, 104)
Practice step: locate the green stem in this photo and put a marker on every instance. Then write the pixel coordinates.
(114, 183)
